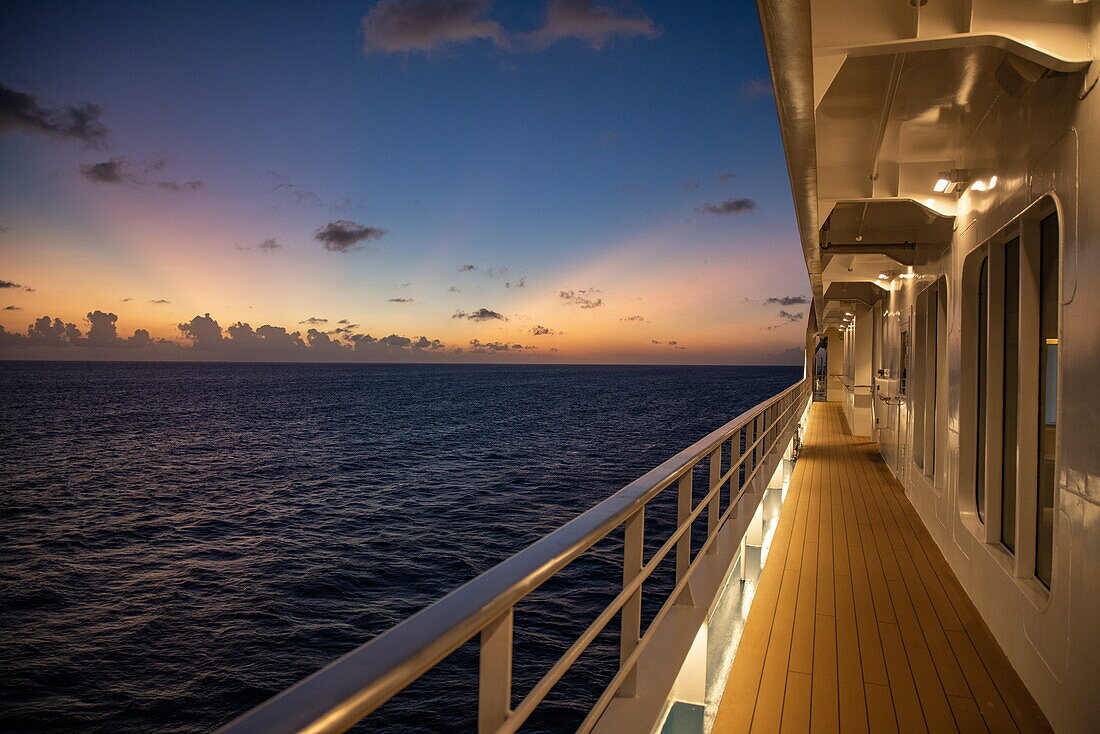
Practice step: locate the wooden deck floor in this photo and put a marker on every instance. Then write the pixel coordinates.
(858, 624)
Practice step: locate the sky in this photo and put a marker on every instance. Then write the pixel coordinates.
(576, 181)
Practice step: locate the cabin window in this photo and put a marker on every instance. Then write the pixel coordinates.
(983, 348)
(1010, 392)
(1049, 301)
(928, 348)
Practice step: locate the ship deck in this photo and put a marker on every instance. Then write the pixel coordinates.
(858, 624)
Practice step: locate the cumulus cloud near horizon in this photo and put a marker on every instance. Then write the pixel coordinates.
(727, 207)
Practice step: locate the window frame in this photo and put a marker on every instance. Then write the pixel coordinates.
(986, 525)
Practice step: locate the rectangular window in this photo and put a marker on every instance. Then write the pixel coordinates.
(1010, 394)
(983, 346)
(1049, 306)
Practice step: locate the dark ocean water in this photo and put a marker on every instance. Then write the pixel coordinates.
(181, 541)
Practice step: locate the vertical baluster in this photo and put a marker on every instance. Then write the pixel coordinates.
(495, 682)
(631, 617)
(712, 507)
(683, 546)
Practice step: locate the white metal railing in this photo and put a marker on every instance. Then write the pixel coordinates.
(339, 695)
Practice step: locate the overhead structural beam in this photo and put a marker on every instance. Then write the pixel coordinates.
(904, 253)
(787, 40)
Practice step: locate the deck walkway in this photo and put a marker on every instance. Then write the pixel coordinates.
(858, 624)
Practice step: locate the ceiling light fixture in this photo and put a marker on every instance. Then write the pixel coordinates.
(951, 182)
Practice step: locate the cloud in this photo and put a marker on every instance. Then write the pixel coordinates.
(424, 25)
(591, 23)
(113, 171)
(9, 284)
(521, 283)
(401, 300)
(21, 111)
(125, 300)
(692, 185)
(787, 300)
(102, 330)
(726, 177)
(482, 314)
(787, 318)
(583, 298)
(160, 301)
(203, 331)
(343, 235)
(730, 206)
(13, 308)
(487, 272)
(344, 321)
(673, 343)
(314, 320)
(467, 268)
(633, 318)
(478, 347)
(269, 245)
(540, 330)
(454, 289)
(654, 341)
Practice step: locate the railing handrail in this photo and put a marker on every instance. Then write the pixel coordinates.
(337, 696)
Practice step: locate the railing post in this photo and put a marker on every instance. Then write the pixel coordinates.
(713, 507)
(683, 545)
(495, 669)
(631, 617)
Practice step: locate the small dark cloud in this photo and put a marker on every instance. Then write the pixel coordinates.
(160, 301)
(791, 317)
(28, 289)
(22, 111)
(157, 164)
(540, 330)
(482, 314)
(343, 235)
(786, 300)
(13, 308)
(654, 341)
(454, 289)
(591, 23)
(730, 206)
(269, 245)
(423, 25)
(585, 298)
(467, 268)
(345, 322)
(673, 343)
(725, 177)
(692, 185)
(479, 347)
(633, 318)
(125, 300)
(314, 320)
(681, 347)
(521, 283)
(401, 300)
(113, 171)
(9, 284)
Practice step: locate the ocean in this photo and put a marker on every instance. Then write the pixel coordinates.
(181, 541)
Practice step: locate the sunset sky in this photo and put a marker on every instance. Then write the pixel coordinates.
(563, 181)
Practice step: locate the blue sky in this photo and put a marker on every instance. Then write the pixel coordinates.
(548, 160)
